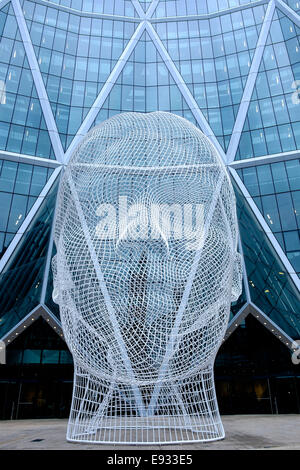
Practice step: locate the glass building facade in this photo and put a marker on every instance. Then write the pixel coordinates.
(232, 67)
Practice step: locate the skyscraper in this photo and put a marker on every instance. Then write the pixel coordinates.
(229, 66)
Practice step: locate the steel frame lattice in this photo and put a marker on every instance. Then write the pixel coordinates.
(145, 21)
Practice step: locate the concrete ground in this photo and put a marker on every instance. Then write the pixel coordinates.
(242, 432)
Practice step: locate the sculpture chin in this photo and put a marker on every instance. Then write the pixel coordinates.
(183, 411)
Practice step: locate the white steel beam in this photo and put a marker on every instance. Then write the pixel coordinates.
(151, 9)
(138, 9)
(22, 230)
(277, 248)
(256, 161)
(37, 312)
(3, 3)
(187, 95)
(98, 103)
(256, 312)
(52, 319)
(256, 61)
(30, 159)
(38, 81)
(90, 14)
(237, 320)
(206, 16)
(21, 325)
(289, 12)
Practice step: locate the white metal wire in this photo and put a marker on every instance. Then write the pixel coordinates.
(145, 271)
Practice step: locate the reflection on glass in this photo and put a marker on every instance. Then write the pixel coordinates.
(271, 287)
(21, 280)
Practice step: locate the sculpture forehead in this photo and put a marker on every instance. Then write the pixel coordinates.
(153, 156)
(156, 140)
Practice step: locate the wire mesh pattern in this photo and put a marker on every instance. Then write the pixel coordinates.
(145, 271)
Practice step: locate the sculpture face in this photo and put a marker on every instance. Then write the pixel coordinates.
(147, 262)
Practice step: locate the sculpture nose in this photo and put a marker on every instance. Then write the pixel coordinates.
(139, 229)
(127, 247)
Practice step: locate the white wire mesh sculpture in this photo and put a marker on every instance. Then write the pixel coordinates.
(145, 271)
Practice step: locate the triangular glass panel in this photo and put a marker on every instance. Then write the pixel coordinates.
(275, 188)
(22, 278)
(3, 13)
(270, 285)
(145, 85)
(75, 57)
(39, 344)
(106, 7)
(214, 57)
(167, 8)
(20, 186)
(272, 124)
(145, 4)
(23, 128)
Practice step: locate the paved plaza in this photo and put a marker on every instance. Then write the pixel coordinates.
(242, 432)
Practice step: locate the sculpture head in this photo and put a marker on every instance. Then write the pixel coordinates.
(147, 262)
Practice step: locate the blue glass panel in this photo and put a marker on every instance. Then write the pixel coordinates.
(265, 179)
(293, 171)
(75, 62)
(26, 268)
(65, 357)
(50, 356)
(276, 188)
(153, 89)
(5, 201)
(225, 55)
(251, 181)
(275, 114)
(17, 212)
(270, 211)
(110, 7)
(19, 182)
(19, 108)
(32, 356)
(271, 288)
(286, 211)
(280, 178)
(294, 4)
